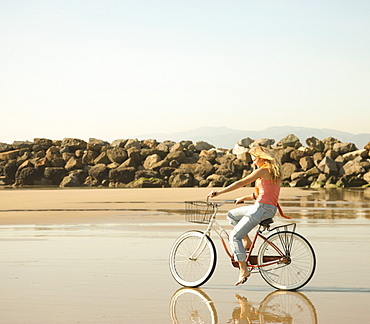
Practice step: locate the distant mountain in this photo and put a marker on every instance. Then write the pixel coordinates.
(224, 137)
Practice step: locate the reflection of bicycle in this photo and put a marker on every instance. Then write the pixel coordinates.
(285, 259)
(287, 307)
(191, 305)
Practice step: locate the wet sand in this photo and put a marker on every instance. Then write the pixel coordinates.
(101, 256)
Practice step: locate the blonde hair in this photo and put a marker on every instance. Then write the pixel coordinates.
(273, 165)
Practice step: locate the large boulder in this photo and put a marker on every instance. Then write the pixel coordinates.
(350, 181)
(134, 154)
(177, 147)
(117, 154)
(178, 156)
(166, 171)
(181, 179)
(149, 143)
(283, 155)
(133, 143)
(204, 169)
(43, 143)
(55, 174)
(366, 177)
(245, 142)
(5, 147)
(26, 176)
(343, 148)
(119, 143)
(353, 168)
(147, 183)
(306, 163)
(287, 170)
(10, 169)
(265, 142)
(159, 165)
(290, 141)
(22, 145)
(329, 143)
(216, 180)
(152, 161)
(102, 158)
(367, 146)
(96, 145)
(315, 144)
(299, 182)
(313, 172)
(354, 154)
(73, 144)
(296, 155)
(99, 172)
(73, 179)
(201, 145)
(227, 168)
(208, 155)
(41, 162)
(147, 174)
(55, 157)
(9, 155)
(165, 146)
(122, 174)
(73, 163)
(328, 166)
(89, 157)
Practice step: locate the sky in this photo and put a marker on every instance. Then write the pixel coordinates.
(120, 68)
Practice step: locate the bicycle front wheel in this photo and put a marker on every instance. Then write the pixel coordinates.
(295, 269)
(193, 259)
(192, 305)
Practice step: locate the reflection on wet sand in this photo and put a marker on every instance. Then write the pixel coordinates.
(192, 305)
(330, 204)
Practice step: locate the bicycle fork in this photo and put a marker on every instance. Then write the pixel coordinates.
(199, 249)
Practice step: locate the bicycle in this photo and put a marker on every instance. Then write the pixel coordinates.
(285, 259)
(192, 305)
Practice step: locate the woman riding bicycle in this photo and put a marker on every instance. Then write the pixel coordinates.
(244, 219)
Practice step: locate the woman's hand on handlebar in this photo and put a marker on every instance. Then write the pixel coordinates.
(239, 200)
(212, 194)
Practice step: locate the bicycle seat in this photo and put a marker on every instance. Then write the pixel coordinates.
(266, 223)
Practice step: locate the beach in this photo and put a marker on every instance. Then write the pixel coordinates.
(101, 256)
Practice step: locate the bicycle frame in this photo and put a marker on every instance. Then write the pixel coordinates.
(281, 257)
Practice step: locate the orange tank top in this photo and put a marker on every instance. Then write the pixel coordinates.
(268, 191)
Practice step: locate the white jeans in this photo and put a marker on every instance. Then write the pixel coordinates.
(244, 219)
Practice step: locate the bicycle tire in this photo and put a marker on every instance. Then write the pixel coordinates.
(188, 272)
(300, 263)
(192, 305)
(287, 307)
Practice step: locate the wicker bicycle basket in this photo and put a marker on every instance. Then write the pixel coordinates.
(198, 211)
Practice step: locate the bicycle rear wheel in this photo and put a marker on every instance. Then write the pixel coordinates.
(193, 259)
(296, 268)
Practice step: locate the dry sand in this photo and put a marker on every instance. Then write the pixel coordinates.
(101, 256)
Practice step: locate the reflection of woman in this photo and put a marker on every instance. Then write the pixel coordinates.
(277, 307)
(244, 219)
(245, 313)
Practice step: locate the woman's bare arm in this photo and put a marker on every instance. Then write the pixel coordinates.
(259, 173)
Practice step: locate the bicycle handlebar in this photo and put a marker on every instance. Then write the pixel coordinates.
(221, 203)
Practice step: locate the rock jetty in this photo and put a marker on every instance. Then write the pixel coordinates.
(133, 163)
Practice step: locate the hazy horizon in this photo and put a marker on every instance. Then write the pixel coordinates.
(224, 137)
